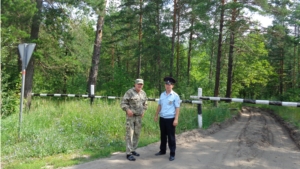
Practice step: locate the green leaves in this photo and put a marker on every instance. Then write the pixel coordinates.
(252, 69)
(67, 33)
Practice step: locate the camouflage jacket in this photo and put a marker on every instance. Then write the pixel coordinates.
(136, 102)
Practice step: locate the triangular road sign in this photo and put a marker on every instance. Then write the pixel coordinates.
(21, 50)
(30, 48)
(26, 50)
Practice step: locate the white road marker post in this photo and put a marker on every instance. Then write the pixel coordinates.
(92, 93)
(199, 108)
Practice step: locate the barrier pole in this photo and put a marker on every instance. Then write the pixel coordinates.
(92, 93)
(199, 108)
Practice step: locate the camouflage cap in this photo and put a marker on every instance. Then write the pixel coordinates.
(139, 81)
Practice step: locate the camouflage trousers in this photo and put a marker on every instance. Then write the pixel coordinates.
(133, 130)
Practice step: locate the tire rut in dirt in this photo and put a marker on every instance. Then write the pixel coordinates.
(254, 135)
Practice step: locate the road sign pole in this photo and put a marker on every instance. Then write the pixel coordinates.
(25, 53)
(21, 100)
(24, 59)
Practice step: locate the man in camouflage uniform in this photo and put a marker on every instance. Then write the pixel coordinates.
(134, 103)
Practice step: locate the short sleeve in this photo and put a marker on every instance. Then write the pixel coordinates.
(177, 101)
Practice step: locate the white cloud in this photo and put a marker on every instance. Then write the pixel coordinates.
(264, 20)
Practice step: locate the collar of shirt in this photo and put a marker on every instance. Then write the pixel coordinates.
(171, 93)
(135, 90)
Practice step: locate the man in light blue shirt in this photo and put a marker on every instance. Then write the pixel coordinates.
(168, 110)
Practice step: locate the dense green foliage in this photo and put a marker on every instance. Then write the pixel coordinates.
(265, 63)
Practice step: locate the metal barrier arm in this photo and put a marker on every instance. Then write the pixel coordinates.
(198, 101)
(275, 103)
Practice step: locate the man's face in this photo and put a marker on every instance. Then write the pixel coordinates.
(169, 86)
(138, 86)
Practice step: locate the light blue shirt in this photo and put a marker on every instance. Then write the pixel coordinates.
(168, 104)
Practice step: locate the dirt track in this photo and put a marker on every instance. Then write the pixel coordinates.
(253, 141)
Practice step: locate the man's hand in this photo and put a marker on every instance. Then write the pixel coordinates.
(129, 113)
(155, 118)
(175, 122)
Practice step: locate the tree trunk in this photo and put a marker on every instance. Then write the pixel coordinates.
(281, 72)
(158, 45)
(231, 50)
(173, 38)
(96, 53)
(294, 62)
(178, 44)
(34, 35)
(112, 52)
(230, 66)
(212, 60)
(298, 56)
(218, 67)
(190, 50)
(140, 40)
(212, 54)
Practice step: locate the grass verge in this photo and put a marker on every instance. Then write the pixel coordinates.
(60, 132)
(288, 114)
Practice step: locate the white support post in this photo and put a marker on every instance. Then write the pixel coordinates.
(92, 90)
(92, 93)
(200, 108)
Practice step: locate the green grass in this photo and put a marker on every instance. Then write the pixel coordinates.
(219, 114)
(68, 131)
(289, 114)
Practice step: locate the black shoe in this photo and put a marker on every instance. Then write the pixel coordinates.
(160, 153)
(135, 153)
(130, 158)
(172, 158)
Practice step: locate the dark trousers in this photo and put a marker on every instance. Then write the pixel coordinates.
(167, 133)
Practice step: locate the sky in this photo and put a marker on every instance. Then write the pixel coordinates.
(264, 20)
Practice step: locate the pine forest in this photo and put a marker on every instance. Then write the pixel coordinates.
(229, 48)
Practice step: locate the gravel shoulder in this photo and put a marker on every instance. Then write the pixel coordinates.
(256, 138)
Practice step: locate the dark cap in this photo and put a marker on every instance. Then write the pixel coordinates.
(169, 80)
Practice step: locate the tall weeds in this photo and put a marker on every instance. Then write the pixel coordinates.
(57, 126)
